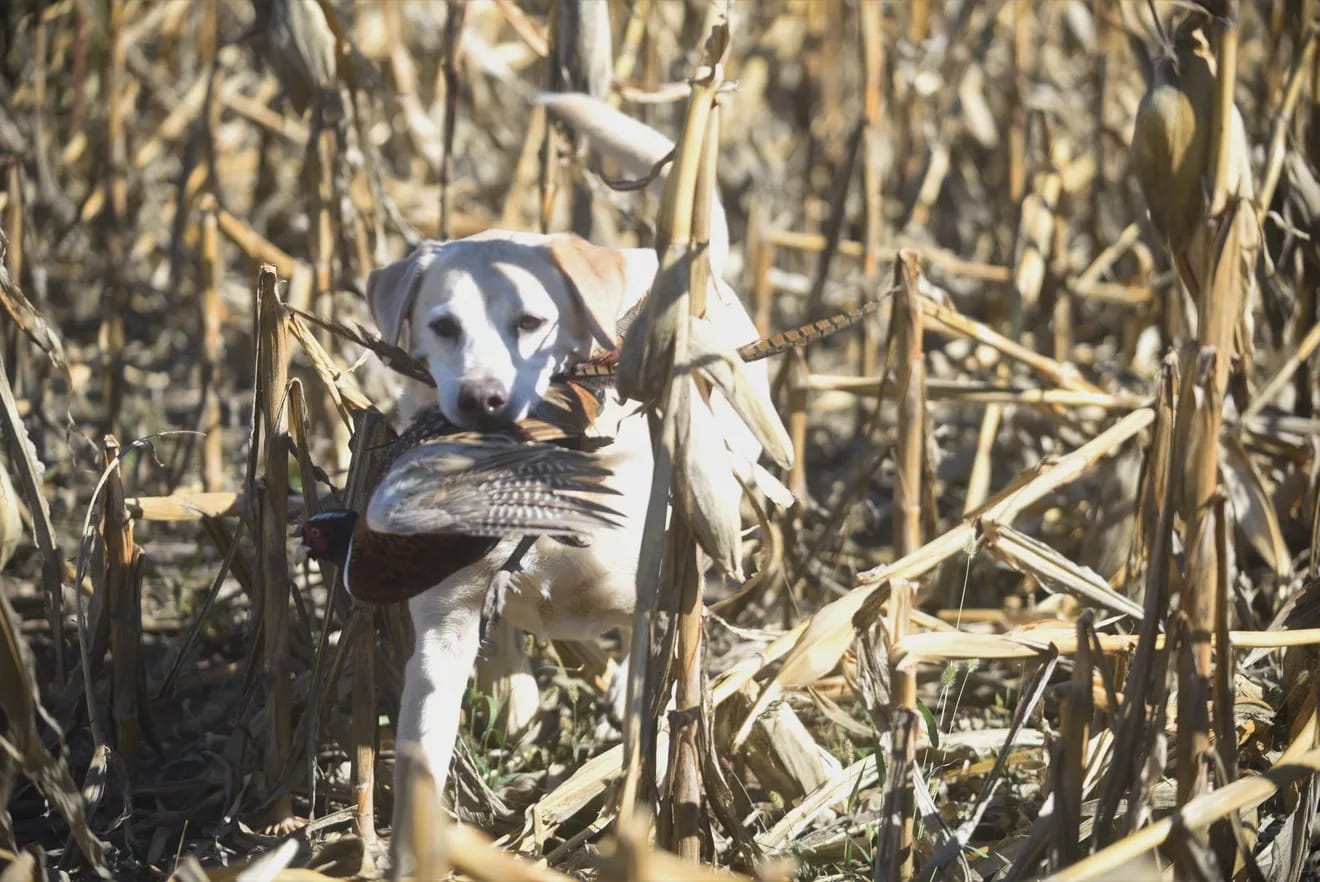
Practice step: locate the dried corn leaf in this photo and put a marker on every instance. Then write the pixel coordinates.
(23, 867)
(706, 486)
(21, 701)
(474, 857)
(272, 866)
(29, 472)
(11, 520)
(583, 786)
(646, 354)
(1053, 569)
(1253, 506)
(184, 506)
(725, 369)
(1195, 815)
(659, 864)
(827, 634)
(26, 317)
(859, 775)
(342, 392)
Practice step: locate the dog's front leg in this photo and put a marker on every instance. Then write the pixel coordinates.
(446, 620)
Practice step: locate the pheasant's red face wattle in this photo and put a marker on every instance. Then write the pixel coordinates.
(328, 536)
(315, 539)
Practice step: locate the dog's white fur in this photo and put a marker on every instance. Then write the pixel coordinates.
(495, 316)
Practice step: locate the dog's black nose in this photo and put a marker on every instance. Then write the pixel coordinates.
(483, 398)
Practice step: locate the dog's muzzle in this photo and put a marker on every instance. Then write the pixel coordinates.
(483, 399)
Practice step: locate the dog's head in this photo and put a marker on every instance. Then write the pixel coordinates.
(495, 316)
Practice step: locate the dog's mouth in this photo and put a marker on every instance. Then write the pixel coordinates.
(481, 422)
(460, 421)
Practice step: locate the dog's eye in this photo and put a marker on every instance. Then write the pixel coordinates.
(530, 322)
(445, 328)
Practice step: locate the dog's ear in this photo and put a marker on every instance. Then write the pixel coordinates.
(391, 290)
(598, 276)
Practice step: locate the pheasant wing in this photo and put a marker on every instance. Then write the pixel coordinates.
(491, 486)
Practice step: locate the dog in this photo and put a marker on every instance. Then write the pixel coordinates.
(495, 317)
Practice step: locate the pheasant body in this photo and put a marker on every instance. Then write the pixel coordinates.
(447, 497)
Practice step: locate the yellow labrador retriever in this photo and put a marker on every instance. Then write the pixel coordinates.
(495, 316)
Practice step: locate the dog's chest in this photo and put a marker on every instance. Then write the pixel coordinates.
(562, 592)
(566, 592)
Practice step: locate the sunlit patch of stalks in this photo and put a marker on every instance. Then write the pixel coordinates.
(1108, 457)
(656, 368)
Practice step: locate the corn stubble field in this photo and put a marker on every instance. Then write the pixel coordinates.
(1046, 605)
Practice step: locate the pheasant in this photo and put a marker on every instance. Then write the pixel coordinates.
(447, 497)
